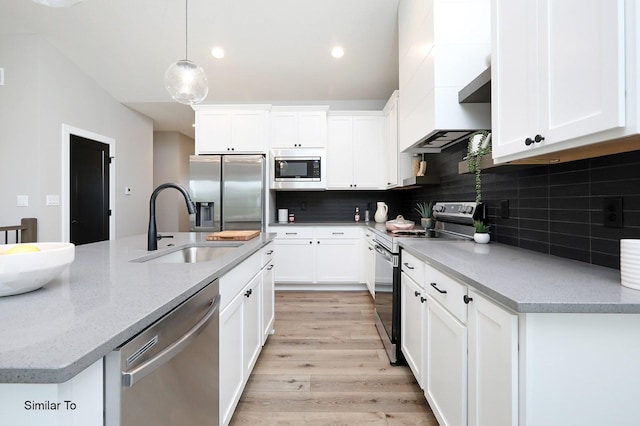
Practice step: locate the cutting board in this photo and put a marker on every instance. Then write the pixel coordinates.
(232, 235)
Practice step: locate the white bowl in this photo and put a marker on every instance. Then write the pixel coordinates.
(23, 272)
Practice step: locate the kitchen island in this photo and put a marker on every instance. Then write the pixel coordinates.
(57, 333)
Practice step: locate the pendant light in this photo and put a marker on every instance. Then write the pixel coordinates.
(57, 3)
(185, 81)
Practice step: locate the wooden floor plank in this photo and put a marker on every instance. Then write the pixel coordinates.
(326, 365)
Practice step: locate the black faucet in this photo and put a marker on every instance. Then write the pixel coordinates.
(152, 235)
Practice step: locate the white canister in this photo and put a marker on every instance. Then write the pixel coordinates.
(630, 263)
(283, 215)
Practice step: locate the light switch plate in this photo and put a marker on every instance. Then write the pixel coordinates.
(22, 200)
(53, 200)
(1, 76)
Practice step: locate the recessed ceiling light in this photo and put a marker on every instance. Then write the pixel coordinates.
(217, 52)
(337, 52)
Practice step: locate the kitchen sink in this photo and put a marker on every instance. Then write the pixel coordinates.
(192, 253)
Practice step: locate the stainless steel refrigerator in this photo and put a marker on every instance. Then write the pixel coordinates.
(229, 192)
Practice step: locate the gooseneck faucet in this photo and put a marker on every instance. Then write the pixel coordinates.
(152, 235)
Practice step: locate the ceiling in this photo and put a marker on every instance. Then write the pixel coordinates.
(277, 51)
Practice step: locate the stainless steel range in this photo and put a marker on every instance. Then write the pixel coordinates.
(454, 221)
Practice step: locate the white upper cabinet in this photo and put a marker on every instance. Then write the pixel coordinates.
(390, 142)
(231, 129)
(298, 127)
(443, 46)
(354, 151)
(558, 75)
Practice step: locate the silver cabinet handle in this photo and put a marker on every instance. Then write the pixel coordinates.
(130, 378)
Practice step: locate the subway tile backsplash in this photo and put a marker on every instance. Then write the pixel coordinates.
(554, 209)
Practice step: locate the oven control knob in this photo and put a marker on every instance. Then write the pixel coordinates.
(438, 209)
(468, 209)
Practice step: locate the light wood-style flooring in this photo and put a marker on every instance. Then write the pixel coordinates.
(325, 365)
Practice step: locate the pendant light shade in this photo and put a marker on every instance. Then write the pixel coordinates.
(57, 3)
(185, 81)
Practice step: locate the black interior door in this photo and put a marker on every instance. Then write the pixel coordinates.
(89, 190)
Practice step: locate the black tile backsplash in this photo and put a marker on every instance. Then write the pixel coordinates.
(554, 209)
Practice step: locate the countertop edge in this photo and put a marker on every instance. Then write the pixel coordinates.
(61, 374)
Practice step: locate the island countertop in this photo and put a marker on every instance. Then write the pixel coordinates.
(101, 301)
(529, 282)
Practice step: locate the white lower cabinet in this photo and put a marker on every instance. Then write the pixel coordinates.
(246, 304)
(461, 346)
(231, 364)
(412, 325)
(325, 255)
(268, 301)
(445, 385)
(493, 363)
(369, 261)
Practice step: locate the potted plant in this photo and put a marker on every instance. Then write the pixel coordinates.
(425, 210)
(479, 146)
(482, 232)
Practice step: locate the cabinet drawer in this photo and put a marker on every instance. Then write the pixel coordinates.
(267, 253)
(345, 232)
(413, 267)
(447, 291)
(234, 281)
(294, 232)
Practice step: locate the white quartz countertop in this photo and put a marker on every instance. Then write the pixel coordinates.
(101, 301)
(527, 281)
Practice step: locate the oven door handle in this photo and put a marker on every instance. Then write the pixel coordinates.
(384, 253)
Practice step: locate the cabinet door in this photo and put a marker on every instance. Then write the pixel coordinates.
(312, 129)
(390, 145)
(249, 131)
(558, 71)
(514, 75)
(340, 153)
(268, 299)
(337, 261)
(295, 260)
(446, 366)
(367, 151)
(411, 325)
(493, 363)
(581, 67)
(284, 129)
(213, 131)
(231, 357)
(252, 327)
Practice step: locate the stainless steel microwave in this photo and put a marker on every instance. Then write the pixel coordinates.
(298, 169)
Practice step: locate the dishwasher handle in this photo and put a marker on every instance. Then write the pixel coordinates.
(130, 378)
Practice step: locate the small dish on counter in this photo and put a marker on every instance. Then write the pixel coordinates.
(399, 224)
(29, 266)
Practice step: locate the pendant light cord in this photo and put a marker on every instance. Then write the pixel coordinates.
(186, 31)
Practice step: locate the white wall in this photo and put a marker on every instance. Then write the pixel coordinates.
(43, 90)
(171, 151)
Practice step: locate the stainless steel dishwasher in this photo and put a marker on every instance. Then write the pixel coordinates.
(168, 374)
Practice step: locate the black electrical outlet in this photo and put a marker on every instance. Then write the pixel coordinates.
(504, 209)
(612, 212)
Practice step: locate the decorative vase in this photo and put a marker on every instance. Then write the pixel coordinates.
(427, 222)
(481, 238)
(381, 212)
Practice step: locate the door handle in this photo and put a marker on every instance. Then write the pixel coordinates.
(130, 378)
(434, 285)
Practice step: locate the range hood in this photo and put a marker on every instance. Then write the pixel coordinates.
(438, 140)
